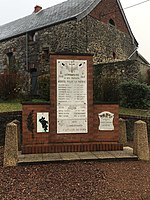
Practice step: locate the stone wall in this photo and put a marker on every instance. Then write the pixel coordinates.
(93, 34)
(18, 47)
(7, 117)
(86, 36)
(123, 70)
(107, 77)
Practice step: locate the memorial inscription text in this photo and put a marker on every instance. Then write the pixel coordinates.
(72, 96)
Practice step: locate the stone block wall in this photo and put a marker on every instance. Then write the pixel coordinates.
(122, 70)
(108, 44)
(93, 34)
(18, 47)
(89, 35)
(107, 77)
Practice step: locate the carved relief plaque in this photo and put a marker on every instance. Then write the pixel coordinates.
(42, 122)
(106, 121)
(72, 96)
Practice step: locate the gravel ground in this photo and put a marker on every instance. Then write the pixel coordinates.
(82, 180)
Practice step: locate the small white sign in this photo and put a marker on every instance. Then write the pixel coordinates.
(106, 121)
(42, 122)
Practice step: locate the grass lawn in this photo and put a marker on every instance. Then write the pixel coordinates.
(134, 112)
(10, 106)
(17, 106)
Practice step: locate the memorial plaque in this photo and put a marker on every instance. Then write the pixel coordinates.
(72, 96)
(106, 121)
(42, 122)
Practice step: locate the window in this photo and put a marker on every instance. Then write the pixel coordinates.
(10, 59)
(111, 22)
(114, 55)
(46, 54)
(32, 36)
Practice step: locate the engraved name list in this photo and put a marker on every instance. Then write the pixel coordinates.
(72, 96)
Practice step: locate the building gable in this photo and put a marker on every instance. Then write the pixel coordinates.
(65, 11)
(111, 12)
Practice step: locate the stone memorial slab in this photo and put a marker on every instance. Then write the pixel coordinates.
(106, 121)
(72, 96)
(42, 122)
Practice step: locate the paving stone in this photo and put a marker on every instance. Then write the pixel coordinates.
(86, 155)
(30, 158)
(103, 154)
(127, 153)
(69, 156)
(99, 155)
(128, 150)
(51, 157)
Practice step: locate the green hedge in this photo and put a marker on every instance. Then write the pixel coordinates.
(44, 86)
(134, 94)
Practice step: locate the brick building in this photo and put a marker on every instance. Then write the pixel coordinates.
(98, 27)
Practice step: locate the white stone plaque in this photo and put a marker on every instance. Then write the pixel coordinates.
(106, 121)
(42, 122)
(72, 96)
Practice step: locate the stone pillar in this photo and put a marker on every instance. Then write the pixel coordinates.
(140, 145)
(11, 145)
(19, 134)
(122, 132)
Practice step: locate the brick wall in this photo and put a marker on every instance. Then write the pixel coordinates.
(109, 9)
(52, 141)
(94, 140)
(52, 108)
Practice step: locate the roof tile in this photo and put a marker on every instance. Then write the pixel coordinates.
(52, 15)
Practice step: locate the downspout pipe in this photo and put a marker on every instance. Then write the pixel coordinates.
(27, 59)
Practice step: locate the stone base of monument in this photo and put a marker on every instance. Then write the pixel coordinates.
(97, 138)
(71, 147)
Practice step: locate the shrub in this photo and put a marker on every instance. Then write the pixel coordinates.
(44, 86)
(134, 94)
(148, 76)
(106, 89)
(109, 90)
(9, 85)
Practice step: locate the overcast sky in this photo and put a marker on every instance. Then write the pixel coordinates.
(137, 16)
